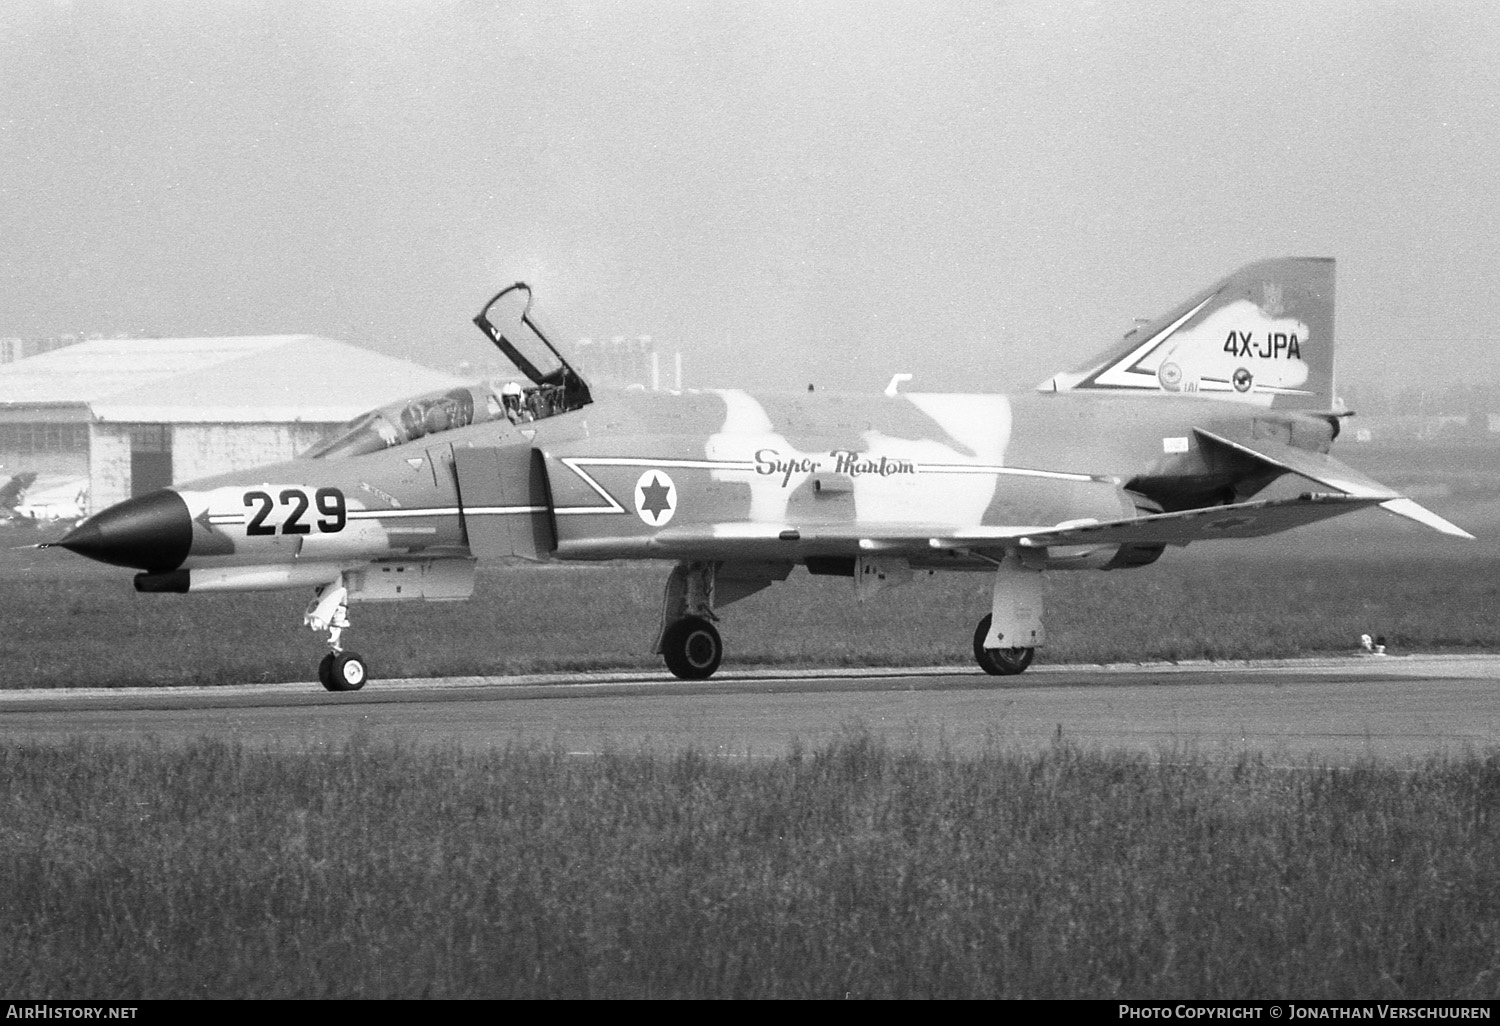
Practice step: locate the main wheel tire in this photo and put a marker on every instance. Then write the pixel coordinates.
(325, 672)
(999, 662)
(692, 648)
(347, 672)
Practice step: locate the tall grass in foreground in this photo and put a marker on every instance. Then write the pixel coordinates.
(855, 869)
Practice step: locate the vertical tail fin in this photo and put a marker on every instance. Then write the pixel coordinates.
(1263, 335)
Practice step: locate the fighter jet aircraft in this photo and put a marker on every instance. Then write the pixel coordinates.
(1213, 421)
(13, 493)
(44, 499)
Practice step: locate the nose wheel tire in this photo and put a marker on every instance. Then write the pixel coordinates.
(999, 662)
(692, 648)
(344, 671)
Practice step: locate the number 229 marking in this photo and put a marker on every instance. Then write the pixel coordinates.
(330, 503)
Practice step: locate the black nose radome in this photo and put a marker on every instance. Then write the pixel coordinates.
(150, 532)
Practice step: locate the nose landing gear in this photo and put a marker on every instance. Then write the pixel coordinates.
(342, 671)
(329, 611)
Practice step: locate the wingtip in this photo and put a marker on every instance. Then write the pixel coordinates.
(1422, 515)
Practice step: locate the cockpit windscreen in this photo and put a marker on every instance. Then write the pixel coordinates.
(409, 420)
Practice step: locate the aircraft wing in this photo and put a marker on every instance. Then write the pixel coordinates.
(1349, 490)
(769, 541)
(1240, 520)
(1327, 471)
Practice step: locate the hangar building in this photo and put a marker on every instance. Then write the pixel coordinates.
(132, 415)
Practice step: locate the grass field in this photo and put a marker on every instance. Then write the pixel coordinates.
(72, 623)
(849, 871)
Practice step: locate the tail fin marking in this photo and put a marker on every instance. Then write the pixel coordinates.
(1264, 335)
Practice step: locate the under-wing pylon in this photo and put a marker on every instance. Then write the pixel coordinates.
(1214, 421)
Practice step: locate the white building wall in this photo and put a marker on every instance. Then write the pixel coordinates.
(198, 450)
(203, 450)
(109, 465)
(57, 464)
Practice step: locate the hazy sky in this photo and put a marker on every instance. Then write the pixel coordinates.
(981, 193)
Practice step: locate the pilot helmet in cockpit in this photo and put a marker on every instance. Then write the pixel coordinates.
(510, 400)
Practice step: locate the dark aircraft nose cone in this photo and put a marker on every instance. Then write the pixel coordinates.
(149, 532)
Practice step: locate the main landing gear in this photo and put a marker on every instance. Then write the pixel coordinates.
(329, 611)
(688, 640)
(999, 662)
(1015, 616)
(692, 648)
(1005, 641)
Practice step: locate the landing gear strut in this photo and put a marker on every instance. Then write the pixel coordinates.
(1015, 615)
(329, 611)
(688, 641)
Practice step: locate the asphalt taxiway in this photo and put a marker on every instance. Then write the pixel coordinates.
(1338, 711)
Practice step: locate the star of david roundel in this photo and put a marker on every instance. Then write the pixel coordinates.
(655, 498)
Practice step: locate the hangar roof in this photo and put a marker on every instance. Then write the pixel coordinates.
(251, 378)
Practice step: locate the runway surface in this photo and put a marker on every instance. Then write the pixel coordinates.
(1339, 711)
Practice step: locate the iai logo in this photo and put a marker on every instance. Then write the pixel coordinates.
(1243, 379)
(655, 498)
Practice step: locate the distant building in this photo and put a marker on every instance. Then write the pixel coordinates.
(613, 363)
(1417, 427)
(13, 349)
(132, 415)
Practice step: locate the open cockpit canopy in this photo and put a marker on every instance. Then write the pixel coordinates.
(509, 321)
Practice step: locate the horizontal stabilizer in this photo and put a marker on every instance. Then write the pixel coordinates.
(1329, 472)
(1241, 520)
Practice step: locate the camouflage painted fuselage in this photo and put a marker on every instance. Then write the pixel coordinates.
(732, 475)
